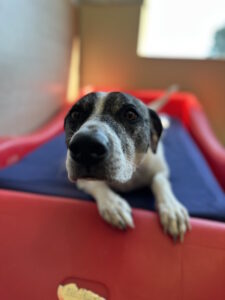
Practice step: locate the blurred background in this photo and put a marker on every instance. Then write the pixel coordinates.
(51, 48)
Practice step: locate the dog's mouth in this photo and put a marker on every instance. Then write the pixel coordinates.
(88, 177)
(78, 171)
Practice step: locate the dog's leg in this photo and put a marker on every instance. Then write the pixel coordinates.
(113, 209)
(173, 215)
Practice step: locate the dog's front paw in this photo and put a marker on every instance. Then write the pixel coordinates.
(116, 211)
(174, 219)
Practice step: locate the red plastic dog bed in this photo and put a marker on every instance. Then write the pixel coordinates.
(48, 240)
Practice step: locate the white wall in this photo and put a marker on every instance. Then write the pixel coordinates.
(35, 45)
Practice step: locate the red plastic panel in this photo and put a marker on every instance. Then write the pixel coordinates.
(46, 241)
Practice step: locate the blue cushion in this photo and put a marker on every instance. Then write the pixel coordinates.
(43, 171)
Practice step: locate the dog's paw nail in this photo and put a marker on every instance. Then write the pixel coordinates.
(122, 226)
(127, 218)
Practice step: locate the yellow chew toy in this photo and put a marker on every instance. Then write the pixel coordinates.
(72, 292)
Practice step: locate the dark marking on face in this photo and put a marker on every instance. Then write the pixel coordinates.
(116, 108)
(78, 114)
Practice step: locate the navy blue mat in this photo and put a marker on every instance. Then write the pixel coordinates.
(43, 171)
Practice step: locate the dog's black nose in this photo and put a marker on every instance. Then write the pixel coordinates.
(89, 148)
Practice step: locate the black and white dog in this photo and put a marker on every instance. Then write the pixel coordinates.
(112, 140)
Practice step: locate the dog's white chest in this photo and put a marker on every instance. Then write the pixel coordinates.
(135, 182)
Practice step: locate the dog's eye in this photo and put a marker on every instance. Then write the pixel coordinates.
(75, 115)
(131, 115)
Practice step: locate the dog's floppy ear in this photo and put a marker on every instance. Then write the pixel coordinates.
(155, 129)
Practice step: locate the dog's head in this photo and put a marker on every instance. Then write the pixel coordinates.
(108, 135)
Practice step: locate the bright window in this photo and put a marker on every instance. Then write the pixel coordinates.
(182, 29)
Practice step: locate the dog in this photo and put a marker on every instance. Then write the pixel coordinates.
(113, 144)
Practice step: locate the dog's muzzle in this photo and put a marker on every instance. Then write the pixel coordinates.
(89, 147)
